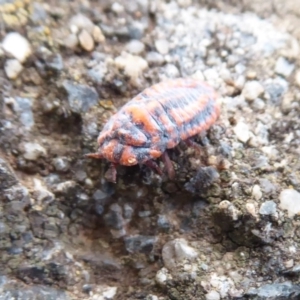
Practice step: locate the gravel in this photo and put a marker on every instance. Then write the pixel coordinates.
(12, 68)
(225, 228)
(290, 201)
(80, 97)
(17, 45)
(23, 107)
(86, 40)
(252, 90)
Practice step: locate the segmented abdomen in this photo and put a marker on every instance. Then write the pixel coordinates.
(181, 108)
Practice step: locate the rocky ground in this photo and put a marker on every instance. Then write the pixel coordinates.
(227, 227)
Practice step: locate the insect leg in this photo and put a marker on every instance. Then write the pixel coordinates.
(194, 145)
(94, 155)
(111, 174)
(168, 165)
(154, 166)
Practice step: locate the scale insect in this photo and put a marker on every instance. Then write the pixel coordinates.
(155, 120)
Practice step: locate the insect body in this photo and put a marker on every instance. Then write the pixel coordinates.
(157, 119)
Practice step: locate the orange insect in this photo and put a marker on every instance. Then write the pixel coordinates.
(155, 120)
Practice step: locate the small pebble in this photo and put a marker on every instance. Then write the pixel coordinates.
(162, 46)
(284, 67)
(256, 192)
(222, 284)
(251, 209)
(212, 295)
(203, 179)
(80, 97)
(86, 41)
(154, 58)
(32, 151)
(117, 8)
(104, 292)
(297, 78)
(12, 68)
(99, 195)
(97, 34)
(275, 89)
(184, 3)
(251, 75)
(133, 65)
(17, 46)
(135, 47)
(23, 107)
(268, 208)
(61, 164)
(290, 201)
(65, 187)
(81, 22)
(171, 71)
(177, 250)
(266, 186)
(229, 210)
(162, 276)
(128, 211)
(41, 194)
(113, 218)
(258, 104)
(71, 41)
(163, 222)
(211, 74)
(252, 90)
(242, 132)
(139, 243)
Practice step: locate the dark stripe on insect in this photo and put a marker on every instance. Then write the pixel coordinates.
(166, 111)
(118, 151)
(174, 127)
(141, 153)
(202, 116)
(181, 97)
(141, 126)
(155, 114)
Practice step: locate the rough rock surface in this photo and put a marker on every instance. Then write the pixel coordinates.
(227, 227)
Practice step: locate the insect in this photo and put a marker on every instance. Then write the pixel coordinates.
(155, 120)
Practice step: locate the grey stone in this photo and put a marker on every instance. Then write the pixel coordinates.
(128, 211)
(163, 222)
(284, 67)
(203, 179)
(154, 58)
(33, 292)
(135, 47)
(80, 21)
(267, 186)
(139, 243)
(61, 164)
(23, 108)
(80, 97)
(54, 62)
(284, 290)
(7, 176)
(275, 88)
(114, 218)
(99, 195)
(268, 208)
